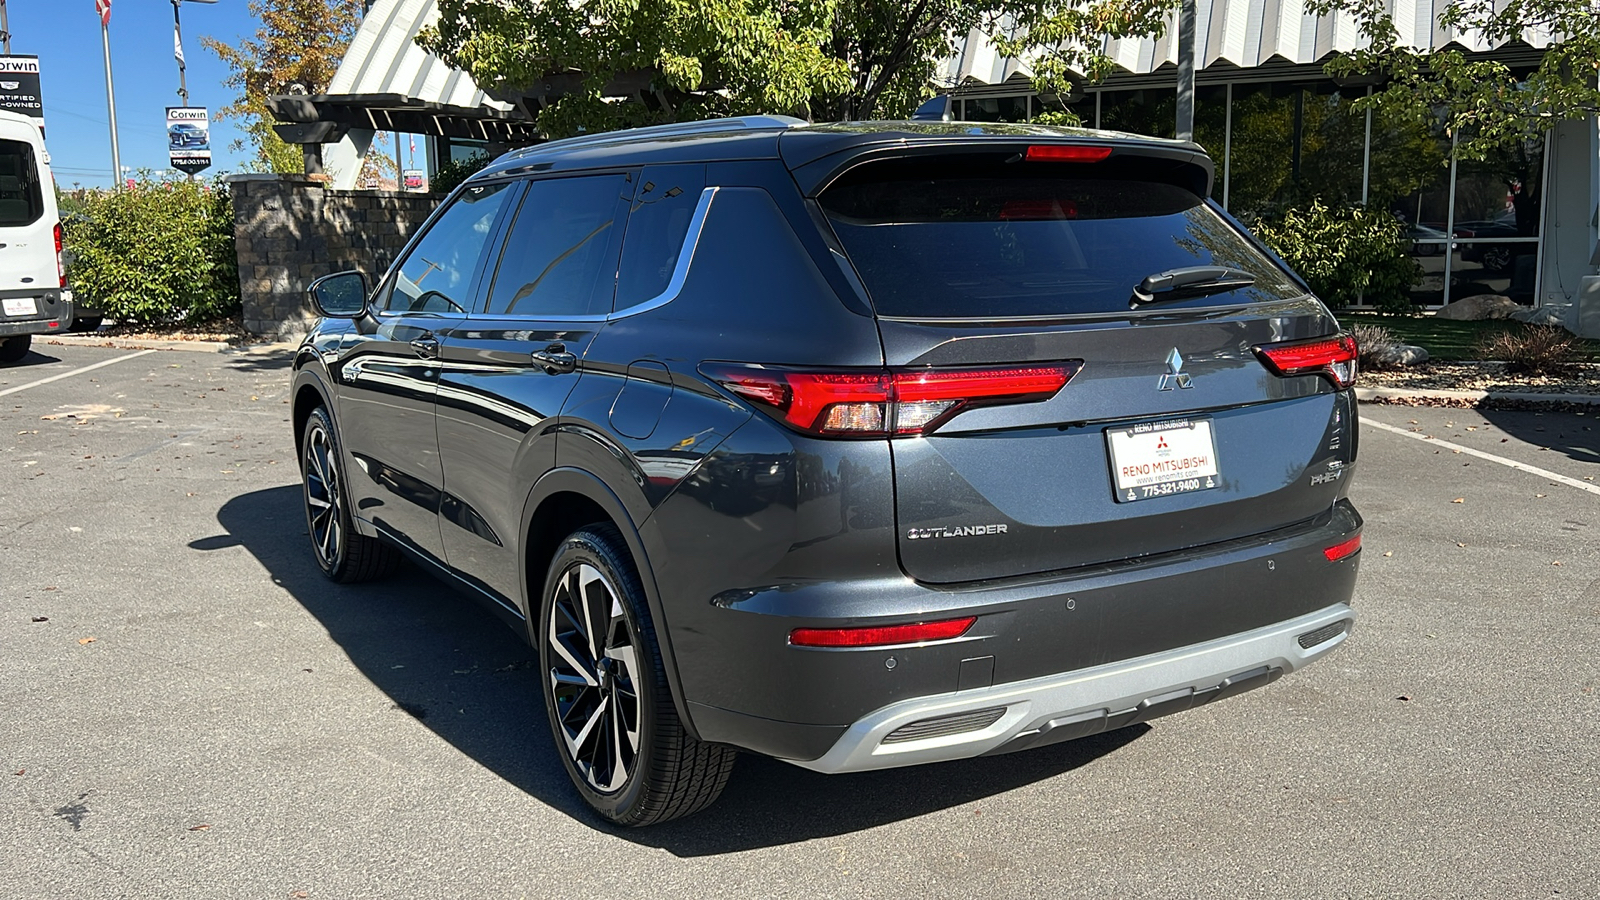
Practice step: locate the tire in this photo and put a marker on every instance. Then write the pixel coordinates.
(345, 555)
(13, 349)
(611, 713)
(87, 323)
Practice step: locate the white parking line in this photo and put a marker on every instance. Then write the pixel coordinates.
(1508, 463)
(104, 362)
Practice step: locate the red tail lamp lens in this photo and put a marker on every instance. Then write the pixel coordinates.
(877, 636)
(1343, 549)
(880, 402)
(1333, 358)
(1066, 153)
(61, 264)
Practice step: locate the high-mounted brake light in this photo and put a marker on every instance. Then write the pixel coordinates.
(1343, 549)
(61, 264)
(1333, 358)
(1065, 153)
(884, 402)
(881, 635)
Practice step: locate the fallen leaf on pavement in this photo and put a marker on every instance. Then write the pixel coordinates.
(1388, 553)
(1403, 697)
(41, 618)
(20, 772)
(1541, 495)
(201, 827)
(1556, 563)
(87, 640)
(1459, 500)
(1459, 544)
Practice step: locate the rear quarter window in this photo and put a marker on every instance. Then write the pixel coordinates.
(1041, 239)
(21, 195)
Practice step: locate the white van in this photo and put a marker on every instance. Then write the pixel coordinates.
(33, 280)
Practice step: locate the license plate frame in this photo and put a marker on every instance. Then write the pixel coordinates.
(20, 306)
(1162, 459)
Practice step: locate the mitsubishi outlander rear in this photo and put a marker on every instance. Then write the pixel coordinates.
(858, 446)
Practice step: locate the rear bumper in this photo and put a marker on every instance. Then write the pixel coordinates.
(748, 687)
(54, 313)
(1077, 704)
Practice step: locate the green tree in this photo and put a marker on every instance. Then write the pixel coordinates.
(609, 64)
(299, 43)
(1484, 103)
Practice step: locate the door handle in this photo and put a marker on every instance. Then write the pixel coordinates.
(426, 346)
(554, 359)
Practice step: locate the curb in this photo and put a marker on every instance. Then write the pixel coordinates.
(1518, 399)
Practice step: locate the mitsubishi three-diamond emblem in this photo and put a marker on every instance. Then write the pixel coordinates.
(1175, 374)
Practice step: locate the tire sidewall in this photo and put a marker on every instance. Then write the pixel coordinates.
(588, 547)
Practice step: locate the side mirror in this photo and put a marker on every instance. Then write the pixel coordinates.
(342, 295)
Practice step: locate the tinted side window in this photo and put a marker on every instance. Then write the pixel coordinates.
(21, 200)
(560, 255)
(436, 276)
(657, 225)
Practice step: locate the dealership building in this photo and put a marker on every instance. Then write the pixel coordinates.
(1524, 223)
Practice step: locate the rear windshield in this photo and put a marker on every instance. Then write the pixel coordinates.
(934, 241)
(21, 200)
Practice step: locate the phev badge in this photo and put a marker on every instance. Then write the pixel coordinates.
(1175, 374)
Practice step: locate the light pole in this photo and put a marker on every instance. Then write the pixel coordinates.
(1186, 25)
(177, 47)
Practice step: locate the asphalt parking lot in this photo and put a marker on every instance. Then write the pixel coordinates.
(187, 709)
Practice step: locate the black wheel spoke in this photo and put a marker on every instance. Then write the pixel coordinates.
(594, 677)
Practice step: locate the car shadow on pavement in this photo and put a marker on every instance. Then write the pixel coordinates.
(33, 358)
(471, 680)
(1574, 435)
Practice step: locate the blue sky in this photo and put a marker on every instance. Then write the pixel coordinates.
(65, 35)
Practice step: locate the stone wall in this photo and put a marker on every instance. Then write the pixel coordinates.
(291, 230)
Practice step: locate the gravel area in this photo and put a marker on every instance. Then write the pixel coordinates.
(1486, 376)
(220, 330)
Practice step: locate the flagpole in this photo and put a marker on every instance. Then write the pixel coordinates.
(111, 100)
(177, 45)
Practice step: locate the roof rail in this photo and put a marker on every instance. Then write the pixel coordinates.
(704, 126)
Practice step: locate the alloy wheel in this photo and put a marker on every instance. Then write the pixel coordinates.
(594, 677)
(323, 497)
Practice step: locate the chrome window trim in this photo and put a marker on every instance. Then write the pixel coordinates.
(680, 272)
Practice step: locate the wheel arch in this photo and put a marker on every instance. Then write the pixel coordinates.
(563, 501)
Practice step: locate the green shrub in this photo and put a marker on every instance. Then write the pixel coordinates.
(1346, 254)
(159, 253)
(1533, 349)
(452, 173)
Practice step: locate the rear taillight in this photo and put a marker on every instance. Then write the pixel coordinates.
(61, 264)
(884, 402)
(881, 635)
(1066, 153)
(1333, 358)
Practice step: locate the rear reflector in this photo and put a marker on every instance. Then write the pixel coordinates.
(1066, 153)
(884, 402)
(1343, 549)
(1333, 358)
(877, 636)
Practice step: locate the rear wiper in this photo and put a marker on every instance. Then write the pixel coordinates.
(1189, 282)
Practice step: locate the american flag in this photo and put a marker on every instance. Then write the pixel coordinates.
(103, 7)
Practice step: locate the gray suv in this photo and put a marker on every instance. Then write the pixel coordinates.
(857, 446)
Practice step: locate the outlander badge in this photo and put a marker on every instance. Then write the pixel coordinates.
(1175, 374)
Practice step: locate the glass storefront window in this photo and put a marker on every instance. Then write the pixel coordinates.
(1293, 143)
(995, 109)
(1151, 111)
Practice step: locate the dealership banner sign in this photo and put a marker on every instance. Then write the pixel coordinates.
(19, 87)
(188, 138)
